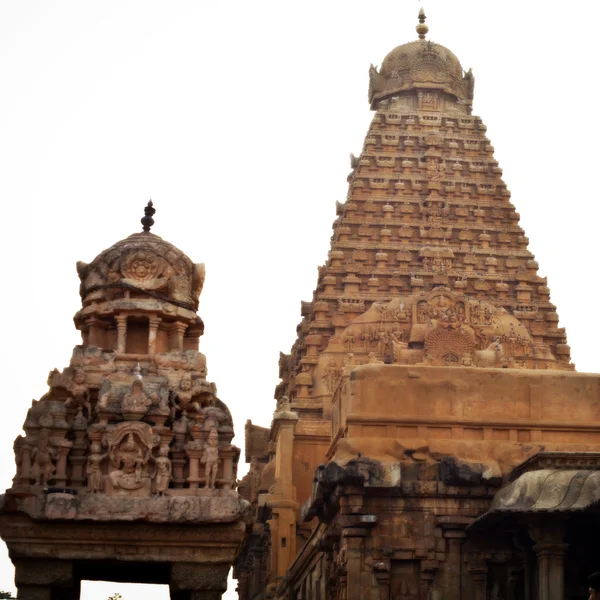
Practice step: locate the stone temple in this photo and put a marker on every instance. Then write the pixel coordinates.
(126, 471)
(431, 439)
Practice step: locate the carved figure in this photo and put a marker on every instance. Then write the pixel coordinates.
(332, 375)
(210, 458)
(95, 476)
(130, 462)
(80, 394)
(491, 356)
(43, 457)
(184, 394)
(136, 401)
(162, 476)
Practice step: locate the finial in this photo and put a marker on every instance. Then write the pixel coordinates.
(147, 220)
(421, 28)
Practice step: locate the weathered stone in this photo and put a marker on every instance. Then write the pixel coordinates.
(428, 366)
(120, 437)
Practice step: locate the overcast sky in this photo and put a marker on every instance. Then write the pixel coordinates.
(237, 118)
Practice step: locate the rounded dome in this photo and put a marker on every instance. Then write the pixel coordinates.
(142, 262)
(420, 65)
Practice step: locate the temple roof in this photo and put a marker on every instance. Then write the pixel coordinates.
(143, 262)
(423, 65)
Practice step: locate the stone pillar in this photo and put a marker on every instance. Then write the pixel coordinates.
(227, 460)
(453, 531)
(45, 580)
(193, 581)
(176, 336)
(282, 500)
(551, 577)
(94, 332)
(60, 477)
(153, 322)
(550, 551)
(121, 333)
(478, 572)
(25, 464)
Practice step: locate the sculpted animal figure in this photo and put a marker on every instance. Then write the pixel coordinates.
(490, 357)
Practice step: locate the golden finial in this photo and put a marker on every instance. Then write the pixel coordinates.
(422, 29)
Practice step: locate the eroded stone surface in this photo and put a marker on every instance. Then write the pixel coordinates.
(131, 432)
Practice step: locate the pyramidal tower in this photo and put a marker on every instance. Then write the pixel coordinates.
(427, 215)
(429, 358)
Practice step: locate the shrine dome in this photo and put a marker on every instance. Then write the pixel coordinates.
(421, 64)
(143, 263)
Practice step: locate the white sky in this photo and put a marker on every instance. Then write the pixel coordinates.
(237, 119)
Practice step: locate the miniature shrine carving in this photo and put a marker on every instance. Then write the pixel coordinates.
(121, 432)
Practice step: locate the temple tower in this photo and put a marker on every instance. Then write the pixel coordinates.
(126, 471)
(428, 321)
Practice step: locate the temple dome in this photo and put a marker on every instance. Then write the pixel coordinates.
(420, 65)
(142, 263)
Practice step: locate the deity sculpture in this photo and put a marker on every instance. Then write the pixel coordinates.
(43, 457)
(136, 401)
(210, 458)
(130, 462)
(80, 394)
(95, 476)
(162, 477)
(184, 394)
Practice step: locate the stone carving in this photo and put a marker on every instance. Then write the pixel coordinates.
(210, 458)
(80, 395)
(136, 403)
(491, 356)
(130, 446)
(95, 477)
(43, 457)
(60, 506)
(162, 477)
(332, 375)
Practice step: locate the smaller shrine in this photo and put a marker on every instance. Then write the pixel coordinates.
(127, 460)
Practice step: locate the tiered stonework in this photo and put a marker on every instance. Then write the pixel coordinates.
(128, 458)
(428, 365)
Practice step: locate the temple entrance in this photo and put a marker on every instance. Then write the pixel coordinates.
(102, 590)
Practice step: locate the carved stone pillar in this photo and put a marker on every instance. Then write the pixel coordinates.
(426, 584)
(121, 333)
(176, 336)
(550, 550)
(227, 459)
(154, 322)
(192, 581)
(45, 580)
(478, 572)
(551, 577)
(60, 476)
(194, 454)
(25, 464)
(95, 330)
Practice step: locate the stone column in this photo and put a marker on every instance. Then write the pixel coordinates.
(551, 577)
(227, 459)
(60, 477)
(176, 336)
(550, 551)
(193, 581)
(478, 572)
(25, 464)
(453, 531)
(121, 333)
(45, 580)
(153, 322)
(94, 330)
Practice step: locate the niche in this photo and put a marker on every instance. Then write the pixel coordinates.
(138, 329)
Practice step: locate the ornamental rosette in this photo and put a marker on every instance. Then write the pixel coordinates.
(143, 269)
